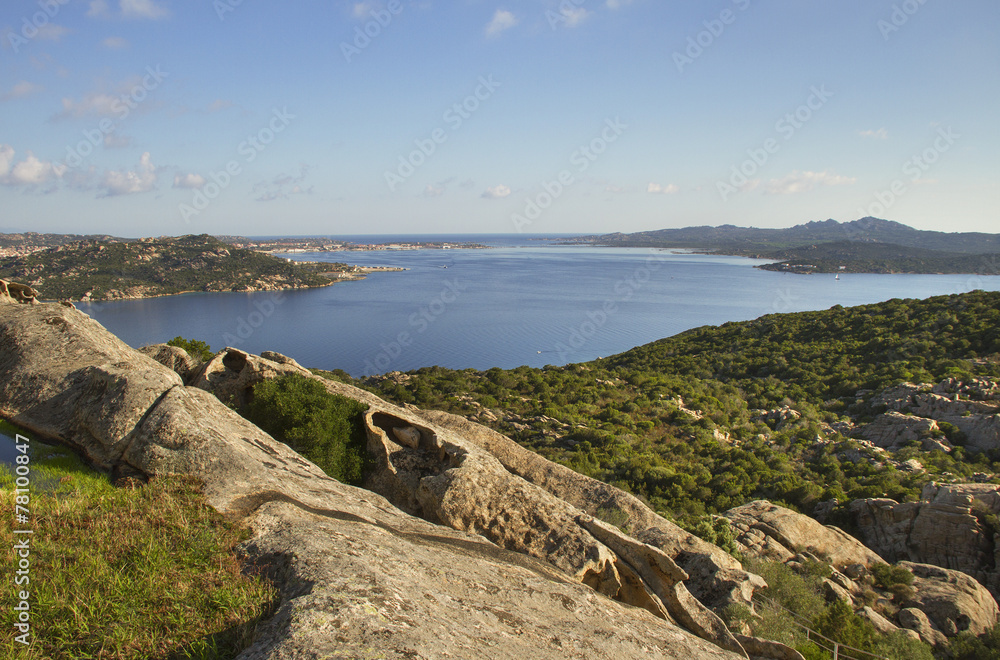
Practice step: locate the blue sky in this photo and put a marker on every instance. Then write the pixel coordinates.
(162, 117)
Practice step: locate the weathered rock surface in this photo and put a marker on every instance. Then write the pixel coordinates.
(359, 575)
(953, 601)
(438, 474)
(12, 292)
(973, 407)
(893, 430)
(946, 528)
(913, 619)
(715, 577)
(769, 531)
(174, 358)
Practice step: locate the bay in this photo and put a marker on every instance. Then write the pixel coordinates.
(527, 302)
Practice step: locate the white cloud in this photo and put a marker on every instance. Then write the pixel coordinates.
(797, 182)
(6, 158)
(502, 20)
(115, 43)
(659, 189)
(496, 192)
(143, 9)
(141, 179)
(29, 172)
(188, 181)
(21, 90)
(880, 134)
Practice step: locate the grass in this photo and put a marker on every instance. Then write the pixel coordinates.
(138, 571)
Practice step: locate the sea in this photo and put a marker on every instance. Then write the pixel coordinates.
(527, 300)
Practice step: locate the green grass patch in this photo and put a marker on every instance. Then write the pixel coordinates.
(140, 571)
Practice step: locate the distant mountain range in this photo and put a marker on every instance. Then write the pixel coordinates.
(731, 239)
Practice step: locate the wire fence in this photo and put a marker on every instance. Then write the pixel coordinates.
(833, 647)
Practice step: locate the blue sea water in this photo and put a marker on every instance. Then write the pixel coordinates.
(525, 302)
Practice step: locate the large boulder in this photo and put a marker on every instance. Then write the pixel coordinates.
(174, 358)
(768, 531)
(953, 601)
(354, 570)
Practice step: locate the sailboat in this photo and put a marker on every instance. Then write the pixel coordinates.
(837, 277)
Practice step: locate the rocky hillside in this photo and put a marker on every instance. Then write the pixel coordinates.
(113, 270)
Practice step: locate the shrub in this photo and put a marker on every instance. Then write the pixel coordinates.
(886, 576)
(323, 427)
(197, 349)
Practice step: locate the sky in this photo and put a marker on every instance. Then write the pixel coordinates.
(249, 117)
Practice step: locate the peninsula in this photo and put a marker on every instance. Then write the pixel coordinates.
(117, 269)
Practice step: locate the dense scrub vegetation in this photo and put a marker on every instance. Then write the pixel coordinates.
(147, 267)
(323, 427)
(678, 421)
(794, 601)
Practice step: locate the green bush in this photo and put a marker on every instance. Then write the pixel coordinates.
(887, 576)
(325, 428)
(197, 349)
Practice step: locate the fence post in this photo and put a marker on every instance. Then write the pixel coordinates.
(836, 650)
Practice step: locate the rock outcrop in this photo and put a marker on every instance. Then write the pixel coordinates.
(12, 292)
(949, 528)
(952, 601)
(358, 574)
(943, 602)
(972, 407)
(769, 531)
(440, 473)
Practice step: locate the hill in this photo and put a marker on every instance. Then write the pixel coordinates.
(111, 270)
(871, 230)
